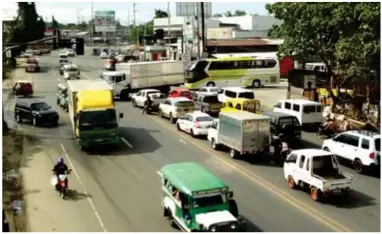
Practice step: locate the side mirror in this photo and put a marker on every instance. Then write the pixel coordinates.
(121, 115)
(230, 194)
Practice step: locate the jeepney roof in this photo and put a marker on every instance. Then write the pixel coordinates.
(81, 85)
(190, 177)
(241, 100)
(24, 81)
(244, 115)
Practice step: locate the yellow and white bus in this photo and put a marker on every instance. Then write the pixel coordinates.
(232, 71)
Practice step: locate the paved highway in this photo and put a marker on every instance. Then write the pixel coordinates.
(121, 189)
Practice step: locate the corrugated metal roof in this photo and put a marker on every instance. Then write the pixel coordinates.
(244, 42)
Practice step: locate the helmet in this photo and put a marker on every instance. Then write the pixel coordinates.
(60, 160)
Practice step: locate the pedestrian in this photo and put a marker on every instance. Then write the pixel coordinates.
(147, 105)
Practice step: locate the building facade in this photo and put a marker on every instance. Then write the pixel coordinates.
(192, 8)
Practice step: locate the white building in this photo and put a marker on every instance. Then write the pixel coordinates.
(193, 8)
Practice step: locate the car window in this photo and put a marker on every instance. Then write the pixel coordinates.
(238, 107)
(310, 109)
(278, 105)
(202, 90)
(185, 93)
(377, 143)
(287, 105)
(365, 144)
(214, 90)
(296, 107)
(118, 78)
(230, 94)
(341, 138)
(214, 125)
(210, 99)
(204, 119)
(302, 160)
(289, 120)
(40, 106)
(249, 95)
(307, 165)
(353, 140)
(230, 105)
(184, 104)
(292, 158)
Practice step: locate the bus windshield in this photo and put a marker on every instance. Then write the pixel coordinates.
(215, 200)
(95, 120)
(191, 66)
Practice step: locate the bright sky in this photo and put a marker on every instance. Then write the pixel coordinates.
(69, 12)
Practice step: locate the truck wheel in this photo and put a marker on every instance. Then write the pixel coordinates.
(214, 145)
(358, 166)
(291, 182)
(233, 153)
(34, 121)
(18, 119)
(233, 208)
(315, 194)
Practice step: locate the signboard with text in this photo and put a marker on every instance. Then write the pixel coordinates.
(105, 21)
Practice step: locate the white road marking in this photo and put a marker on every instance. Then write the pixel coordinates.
(126, 142)
(85, 192)
(182, 141)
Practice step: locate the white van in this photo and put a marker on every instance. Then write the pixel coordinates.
(235, 92)
(71, 71)
(307, 112)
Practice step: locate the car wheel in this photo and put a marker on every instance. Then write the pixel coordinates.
(178, 127)
(358, 166)
(34, 121)
(315, 194)
(172, 119)
(291, 182)
(134, 103)
(161, 113)
(18, 119)
(192, 133)
(214, 145)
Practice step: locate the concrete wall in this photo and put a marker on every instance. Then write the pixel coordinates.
(219, 33)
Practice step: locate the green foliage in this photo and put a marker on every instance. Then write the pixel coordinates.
(230, 14)
(336, 32)
(28, 26)
(160, 14)
(218, 15)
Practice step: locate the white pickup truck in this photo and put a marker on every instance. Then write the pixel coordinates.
(317, 170)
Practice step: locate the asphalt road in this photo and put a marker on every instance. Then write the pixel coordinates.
(123, 189)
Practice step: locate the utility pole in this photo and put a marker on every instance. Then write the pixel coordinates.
(134, 22)
(203, 27)
(169, 23)
(92, 25)
(144, 45)
(197, 30)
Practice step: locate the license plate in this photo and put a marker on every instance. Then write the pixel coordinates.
(336, 190)
(99, 140)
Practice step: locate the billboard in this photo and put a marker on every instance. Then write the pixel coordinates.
(105, 21)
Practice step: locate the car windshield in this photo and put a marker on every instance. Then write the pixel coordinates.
(210, 99)
(378, 144)
(208, 201)
(184, 104)
(41, 106)
(248, 95)
(72, 69)
(204, 119)
(63, 56)
(214, 90)
(289, 120)
(185, 93)
(102, 119)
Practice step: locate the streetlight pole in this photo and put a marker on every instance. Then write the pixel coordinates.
(169, 23)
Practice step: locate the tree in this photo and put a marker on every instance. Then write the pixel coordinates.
(55, 25)
(218, 15)
(228, 14)
(240, 13)
(160, 14)
(338, 33)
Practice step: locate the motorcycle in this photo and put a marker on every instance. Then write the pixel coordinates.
(61, 184)
(326, 130)
(284, 153)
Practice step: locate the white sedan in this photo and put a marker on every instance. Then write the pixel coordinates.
(195, 123)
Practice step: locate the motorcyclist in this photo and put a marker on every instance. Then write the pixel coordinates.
(148, 104)
(60, 169)
(277, 145)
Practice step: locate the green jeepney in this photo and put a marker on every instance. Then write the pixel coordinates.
(62, 96)
(195, 200)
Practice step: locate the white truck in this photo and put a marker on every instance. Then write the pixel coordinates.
(242, 132)
(151, 75)
(317, 170)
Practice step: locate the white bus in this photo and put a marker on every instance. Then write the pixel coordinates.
(233, 71)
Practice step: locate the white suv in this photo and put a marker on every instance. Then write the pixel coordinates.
(176, 107)
(360, 147)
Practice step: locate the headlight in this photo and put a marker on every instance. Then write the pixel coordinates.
(233, 226)
(213, 229)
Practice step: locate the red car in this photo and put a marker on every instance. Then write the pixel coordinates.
(179, 92)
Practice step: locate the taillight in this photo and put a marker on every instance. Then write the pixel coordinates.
(372, 155)
(197, 125)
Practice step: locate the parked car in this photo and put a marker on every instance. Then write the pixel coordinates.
(32, 65)
(96, 52)
(318, 171)
(235, 92)
(180, 92)
(175, 108)
(36, 112)
(195, 123)
(103, 55)
(208, 103)
(362, 148)
(71, 53)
